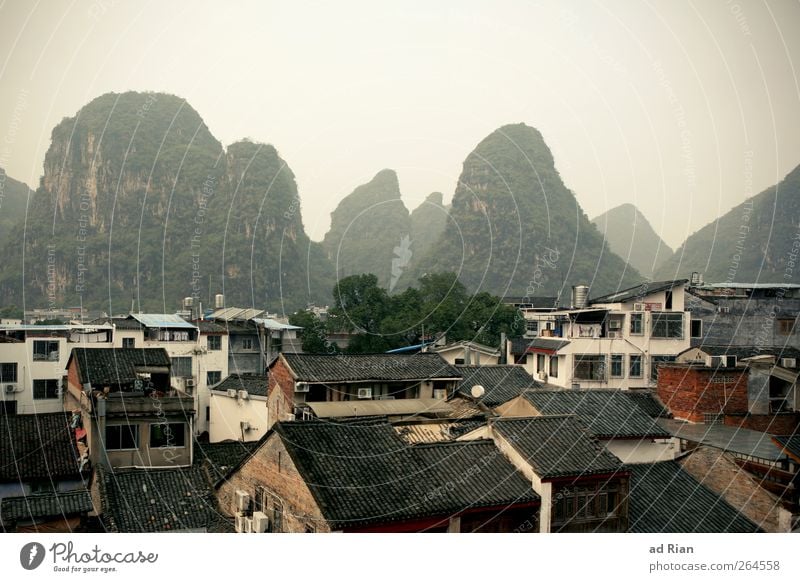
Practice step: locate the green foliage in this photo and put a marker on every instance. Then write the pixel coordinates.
(11, 312)
(439, 305)
(313, 334)
(13, 198)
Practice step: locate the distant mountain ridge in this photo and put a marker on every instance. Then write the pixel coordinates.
(630, 235)
(753, 242)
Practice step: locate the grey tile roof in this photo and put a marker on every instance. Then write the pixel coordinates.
(557, 446)
(37, 447)
(255, 384)
(728, 438)
(501, 383)
(664, 498)
(638, 292)
(207, 326)
(219, 458)
(159, 500)
(606, 413)
(365, 473)
(790, 444)
(360, 367)
(46, 505)
(649, 403)
(521, 345)
(115, 366)
(120, 322)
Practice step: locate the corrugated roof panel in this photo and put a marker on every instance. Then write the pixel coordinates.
(162, 320)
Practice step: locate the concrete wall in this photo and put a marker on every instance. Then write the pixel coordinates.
(272, 468)
(228, 413)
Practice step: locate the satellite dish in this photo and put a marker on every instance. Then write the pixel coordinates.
(477, 391)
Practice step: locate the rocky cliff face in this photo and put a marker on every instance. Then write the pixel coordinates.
(427, 224)
(140, 204)
(371, 231)
(515, 229)
(754, 242)
(630, 235)
(13, 198)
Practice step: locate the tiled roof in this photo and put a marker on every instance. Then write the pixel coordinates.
(120, 322)
(366, 473)
(743, 441)
(416, 433)
(221, 457)
(666, 499)
(466, 408)
(606, 413)
(359, 367)
(32, 507)
(37, 447)
(557, 446)
(521, 345)
(255, 384)
(790, 444)
(742, 352)
(638, 292)
(649, 403)
(501, 383)
(115, 365)
(206, 326)
(159, 500)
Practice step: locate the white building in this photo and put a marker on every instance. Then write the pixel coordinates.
(243, 409)
(198, 353)
(614, 341)
(33, 362)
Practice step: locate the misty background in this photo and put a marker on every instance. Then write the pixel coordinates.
(683, 108)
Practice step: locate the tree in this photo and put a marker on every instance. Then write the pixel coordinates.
(314, 333)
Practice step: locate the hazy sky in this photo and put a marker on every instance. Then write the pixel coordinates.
(683, 108)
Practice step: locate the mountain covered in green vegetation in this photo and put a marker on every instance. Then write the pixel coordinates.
(630, 235)
(140, 205)
(754, 242)
(13, 198)
(427, 224)
(515, 229)
(371, 231)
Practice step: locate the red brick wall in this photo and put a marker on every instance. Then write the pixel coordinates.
(689, 392)
(280, 376)
(784, 423)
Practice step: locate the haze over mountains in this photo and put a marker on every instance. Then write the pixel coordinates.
(140, 205)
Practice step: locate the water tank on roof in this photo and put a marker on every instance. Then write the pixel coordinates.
(580, 296)
(219, 301)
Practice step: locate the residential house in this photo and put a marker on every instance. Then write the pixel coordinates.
(53, 512)
(255, 338)
(350, 385)
(611, 416)
(242, 408)
(362, 477)
(497, 384)
(613, 341)
(198, 352)
(125, 409)
(33, 359)
(468, 353)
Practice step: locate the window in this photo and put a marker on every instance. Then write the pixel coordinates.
(590, 367)
(617, 365)
(121, 437)
(128, 342)
(697, 328)
(247, 343)
(668, 300)
(667, 325)
(636, 323)
(45, 350)
(532, 327)
(8, 372)
(540, 363)
(182, 367)
(635, 367)
(655, 361)
(785, 326)
(45, 389)
(589, 502)
(554, 366)
(213, 377)
(215, 342)
(166, 435)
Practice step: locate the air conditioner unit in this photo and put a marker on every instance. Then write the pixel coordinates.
(542, 376)
(232, 392)
(243, 394)
(248, 525)
(723, 309)
(11, 388)
(788, 362)
(302, 387)
(242, 500)
(614, 334)
(638, 307)
(189, 382)
(365, 393)
(260, 522)
(440, 393)
(240, 523)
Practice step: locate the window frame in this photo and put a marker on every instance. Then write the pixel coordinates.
(692, 323)
(166, 444)
(48, 383)
(637, 316)
(619, 359)
(173, 368)
(598, 361)
(247, 344)
(129, 342)
(552, 370)
(6, 378)
(640, 359)
(215, 345)
(656, 359)
(38, 357)
(134, 431)
(208, 378)
(656, 317)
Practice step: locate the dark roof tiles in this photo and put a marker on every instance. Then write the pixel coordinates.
(46, 505)
(361, 367)
(255, 384)
(37, 447)
(500, 383)
(115, 366)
